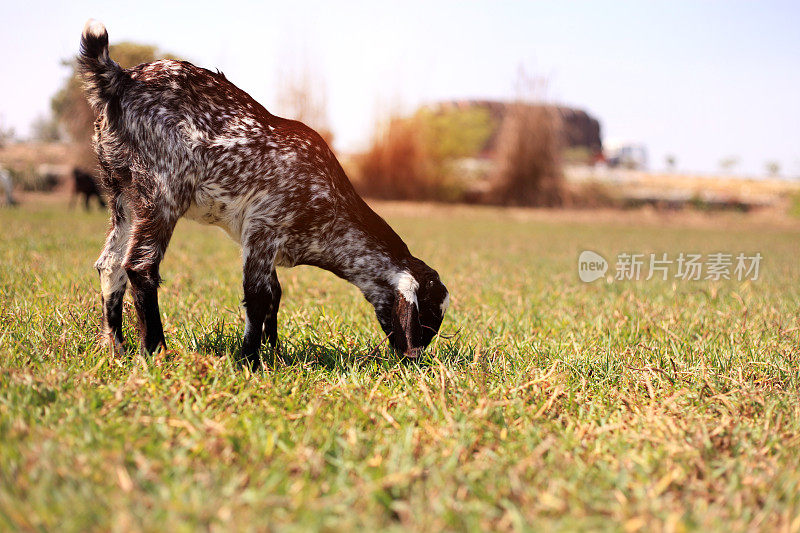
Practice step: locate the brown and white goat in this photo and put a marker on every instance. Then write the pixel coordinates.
(177, 140)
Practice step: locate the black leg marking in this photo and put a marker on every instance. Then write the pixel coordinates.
(149, 239)
(144, 287)
(255, 304)
(271, 320)
(113, 280)
(259, 281)
(112, 317)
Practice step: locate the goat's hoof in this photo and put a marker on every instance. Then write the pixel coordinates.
(151, 348)
(114, 345)
(412, 353)
(252, 362)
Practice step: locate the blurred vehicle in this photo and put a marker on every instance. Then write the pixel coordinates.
(625, 154)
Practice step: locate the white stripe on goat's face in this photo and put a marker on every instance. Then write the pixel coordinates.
(420, 303)
(407, 286)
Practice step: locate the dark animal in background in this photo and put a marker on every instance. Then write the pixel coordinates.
(177, 140)
(85, 184)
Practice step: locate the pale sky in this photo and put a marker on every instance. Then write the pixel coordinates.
(701, 80)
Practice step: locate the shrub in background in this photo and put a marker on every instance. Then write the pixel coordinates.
(415, 158)
(528, 167)
(398, 165)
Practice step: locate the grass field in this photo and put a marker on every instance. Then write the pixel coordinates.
(551, 404)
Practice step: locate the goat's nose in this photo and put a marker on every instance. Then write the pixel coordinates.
(413, 353)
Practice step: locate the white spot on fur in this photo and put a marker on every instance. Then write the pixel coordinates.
(112, 280)
(95, 28)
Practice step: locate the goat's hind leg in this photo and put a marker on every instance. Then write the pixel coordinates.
(113, 279)
(150, 234)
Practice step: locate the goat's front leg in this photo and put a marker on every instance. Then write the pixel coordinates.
(144, 288)
(148, 243)
(261, 298)
(113, 279)
(271, 320)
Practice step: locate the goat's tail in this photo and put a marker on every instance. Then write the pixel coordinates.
(104, 79)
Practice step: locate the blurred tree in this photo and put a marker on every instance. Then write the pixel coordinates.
(671, 162)
(773, 168)
(577, 155)
(45, 128)
(727, 164)
(528, 170)
(72, 111)
(530, 143)
(302, 96)
(412, 157)
(455, 133)
(7, 133)
(398, 164)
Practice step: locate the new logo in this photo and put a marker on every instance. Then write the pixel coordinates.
(591, 266)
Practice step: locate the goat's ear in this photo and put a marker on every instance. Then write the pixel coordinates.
(406, 329)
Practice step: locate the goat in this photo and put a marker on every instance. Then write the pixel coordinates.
(7, 187)
(85, 184)
(177, 140)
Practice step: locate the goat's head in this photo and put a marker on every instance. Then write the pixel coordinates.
(418, 304)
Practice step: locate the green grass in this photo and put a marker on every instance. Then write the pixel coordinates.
(551, 404)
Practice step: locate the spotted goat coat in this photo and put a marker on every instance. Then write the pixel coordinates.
(177, 140)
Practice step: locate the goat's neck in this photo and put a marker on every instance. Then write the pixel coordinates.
(367, 264)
